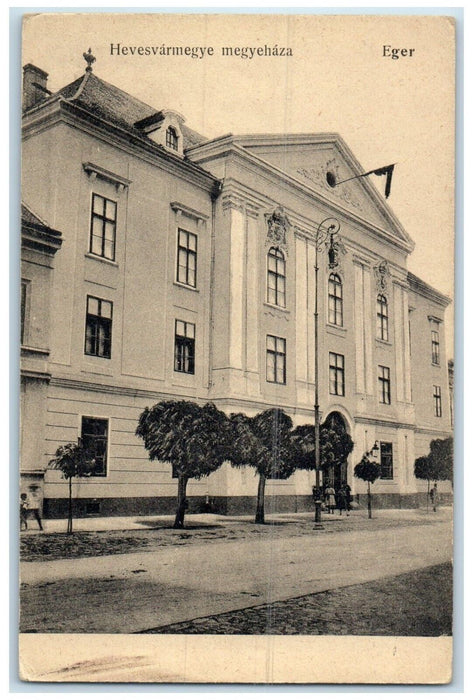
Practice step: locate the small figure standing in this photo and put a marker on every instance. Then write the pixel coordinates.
(34, 504)
(23, 511)
(330, 499)
(434, 497)
(348, 497)
(342, 499)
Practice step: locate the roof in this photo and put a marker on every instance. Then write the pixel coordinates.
(28, 218)
(117, 106)
(426, 290)
(37, 234)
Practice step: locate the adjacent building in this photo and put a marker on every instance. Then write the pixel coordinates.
(185, 268)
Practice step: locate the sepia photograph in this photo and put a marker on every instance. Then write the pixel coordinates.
(237, 358)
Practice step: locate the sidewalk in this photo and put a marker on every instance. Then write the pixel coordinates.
(150, 522)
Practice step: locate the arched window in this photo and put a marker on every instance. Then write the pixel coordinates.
(276, 291)
(335, 300)
(171, 138)
(381, 317)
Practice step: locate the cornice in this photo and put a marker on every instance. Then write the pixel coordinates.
(61, 110)
(384, 422)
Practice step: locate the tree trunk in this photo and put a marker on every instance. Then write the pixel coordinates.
(369, 500)
(69, 518)
(428, 493)
(181, 501)
(259, 519)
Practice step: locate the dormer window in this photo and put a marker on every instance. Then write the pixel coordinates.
(171, 138)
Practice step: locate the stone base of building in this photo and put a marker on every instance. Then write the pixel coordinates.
(56, 508)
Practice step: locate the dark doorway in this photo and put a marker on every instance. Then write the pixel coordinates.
(337, 472)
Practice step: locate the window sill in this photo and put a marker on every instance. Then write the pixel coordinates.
(283, 309)
(186, 286)
(435, 364)
(336, 330)
(384, 342)
(99, 258)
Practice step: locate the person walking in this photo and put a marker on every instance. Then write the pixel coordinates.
(330, 502)
(34, 504)
(23, 511)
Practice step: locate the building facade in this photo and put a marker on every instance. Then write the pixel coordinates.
(186, 268)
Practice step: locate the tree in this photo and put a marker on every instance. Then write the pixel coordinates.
(437, 465)
(74, 461)
(263, 442)
(193, 438)
(368, 471)
(335, 446)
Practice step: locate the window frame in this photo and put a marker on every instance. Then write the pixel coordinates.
(100, 322)
(435, 346)
(104, 219)
(189, 255)
(184, 348)
(384, 385)
(279, 278)
(382, 317)
(84, 441)
(437, 400)
(389, 476)
(335, 300)
(273, 359)
(172, 138)
(336, 374)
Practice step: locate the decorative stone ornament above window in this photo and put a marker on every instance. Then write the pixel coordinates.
(278, 227)
(164, 128)
(382, 274)
(95, 172)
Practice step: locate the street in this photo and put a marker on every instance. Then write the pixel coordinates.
(138, 591)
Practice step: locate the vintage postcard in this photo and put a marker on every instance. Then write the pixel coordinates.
(237, 351)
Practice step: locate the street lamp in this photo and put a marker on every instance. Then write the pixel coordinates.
(326, 231)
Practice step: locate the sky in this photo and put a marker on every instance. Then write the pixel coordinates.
(338, 79)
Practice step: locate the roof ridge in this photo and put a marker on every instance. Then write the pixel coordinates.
(81, 87)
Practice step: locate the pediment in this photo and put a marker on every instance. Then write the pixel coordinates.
(320, 161)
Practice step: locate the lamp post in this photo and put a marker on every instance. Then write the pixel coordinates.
(326, 231)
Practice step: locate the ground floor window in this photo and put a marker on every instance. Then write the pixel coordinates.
(94, 435)
(386, 449)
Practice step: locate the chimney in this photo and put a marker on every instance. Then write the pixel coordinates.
(34, 85)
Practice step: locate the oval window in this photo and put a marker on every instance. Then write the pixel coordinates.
(331, 179)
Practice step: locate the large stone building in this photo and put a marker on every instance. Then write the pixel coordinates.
(185, 267)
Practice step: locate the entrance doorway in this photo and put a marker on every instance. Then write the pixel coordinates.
(336, 473)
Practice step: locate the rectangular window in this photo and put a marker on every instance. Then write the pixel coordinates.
(103, 227)
(435, 338)
(437, 401)
(186, 258)
(184, 347)
(336, 374)
(94, 435)
(23, 304)
(386, 460)
(275, 359)
(384, 384)
(98, 327)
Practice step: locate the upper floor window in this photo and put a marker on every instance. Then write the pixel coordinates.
(186, 258)
(184, 347)
(386, 457)
(276, 293)
(336, 374)
(435, 340)
(103, 227)
(381, 317)
(384, 384)
(98, 327)
(275, 359)
(172, 138)
(437, 401)
(335, 300)
(94, 433)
